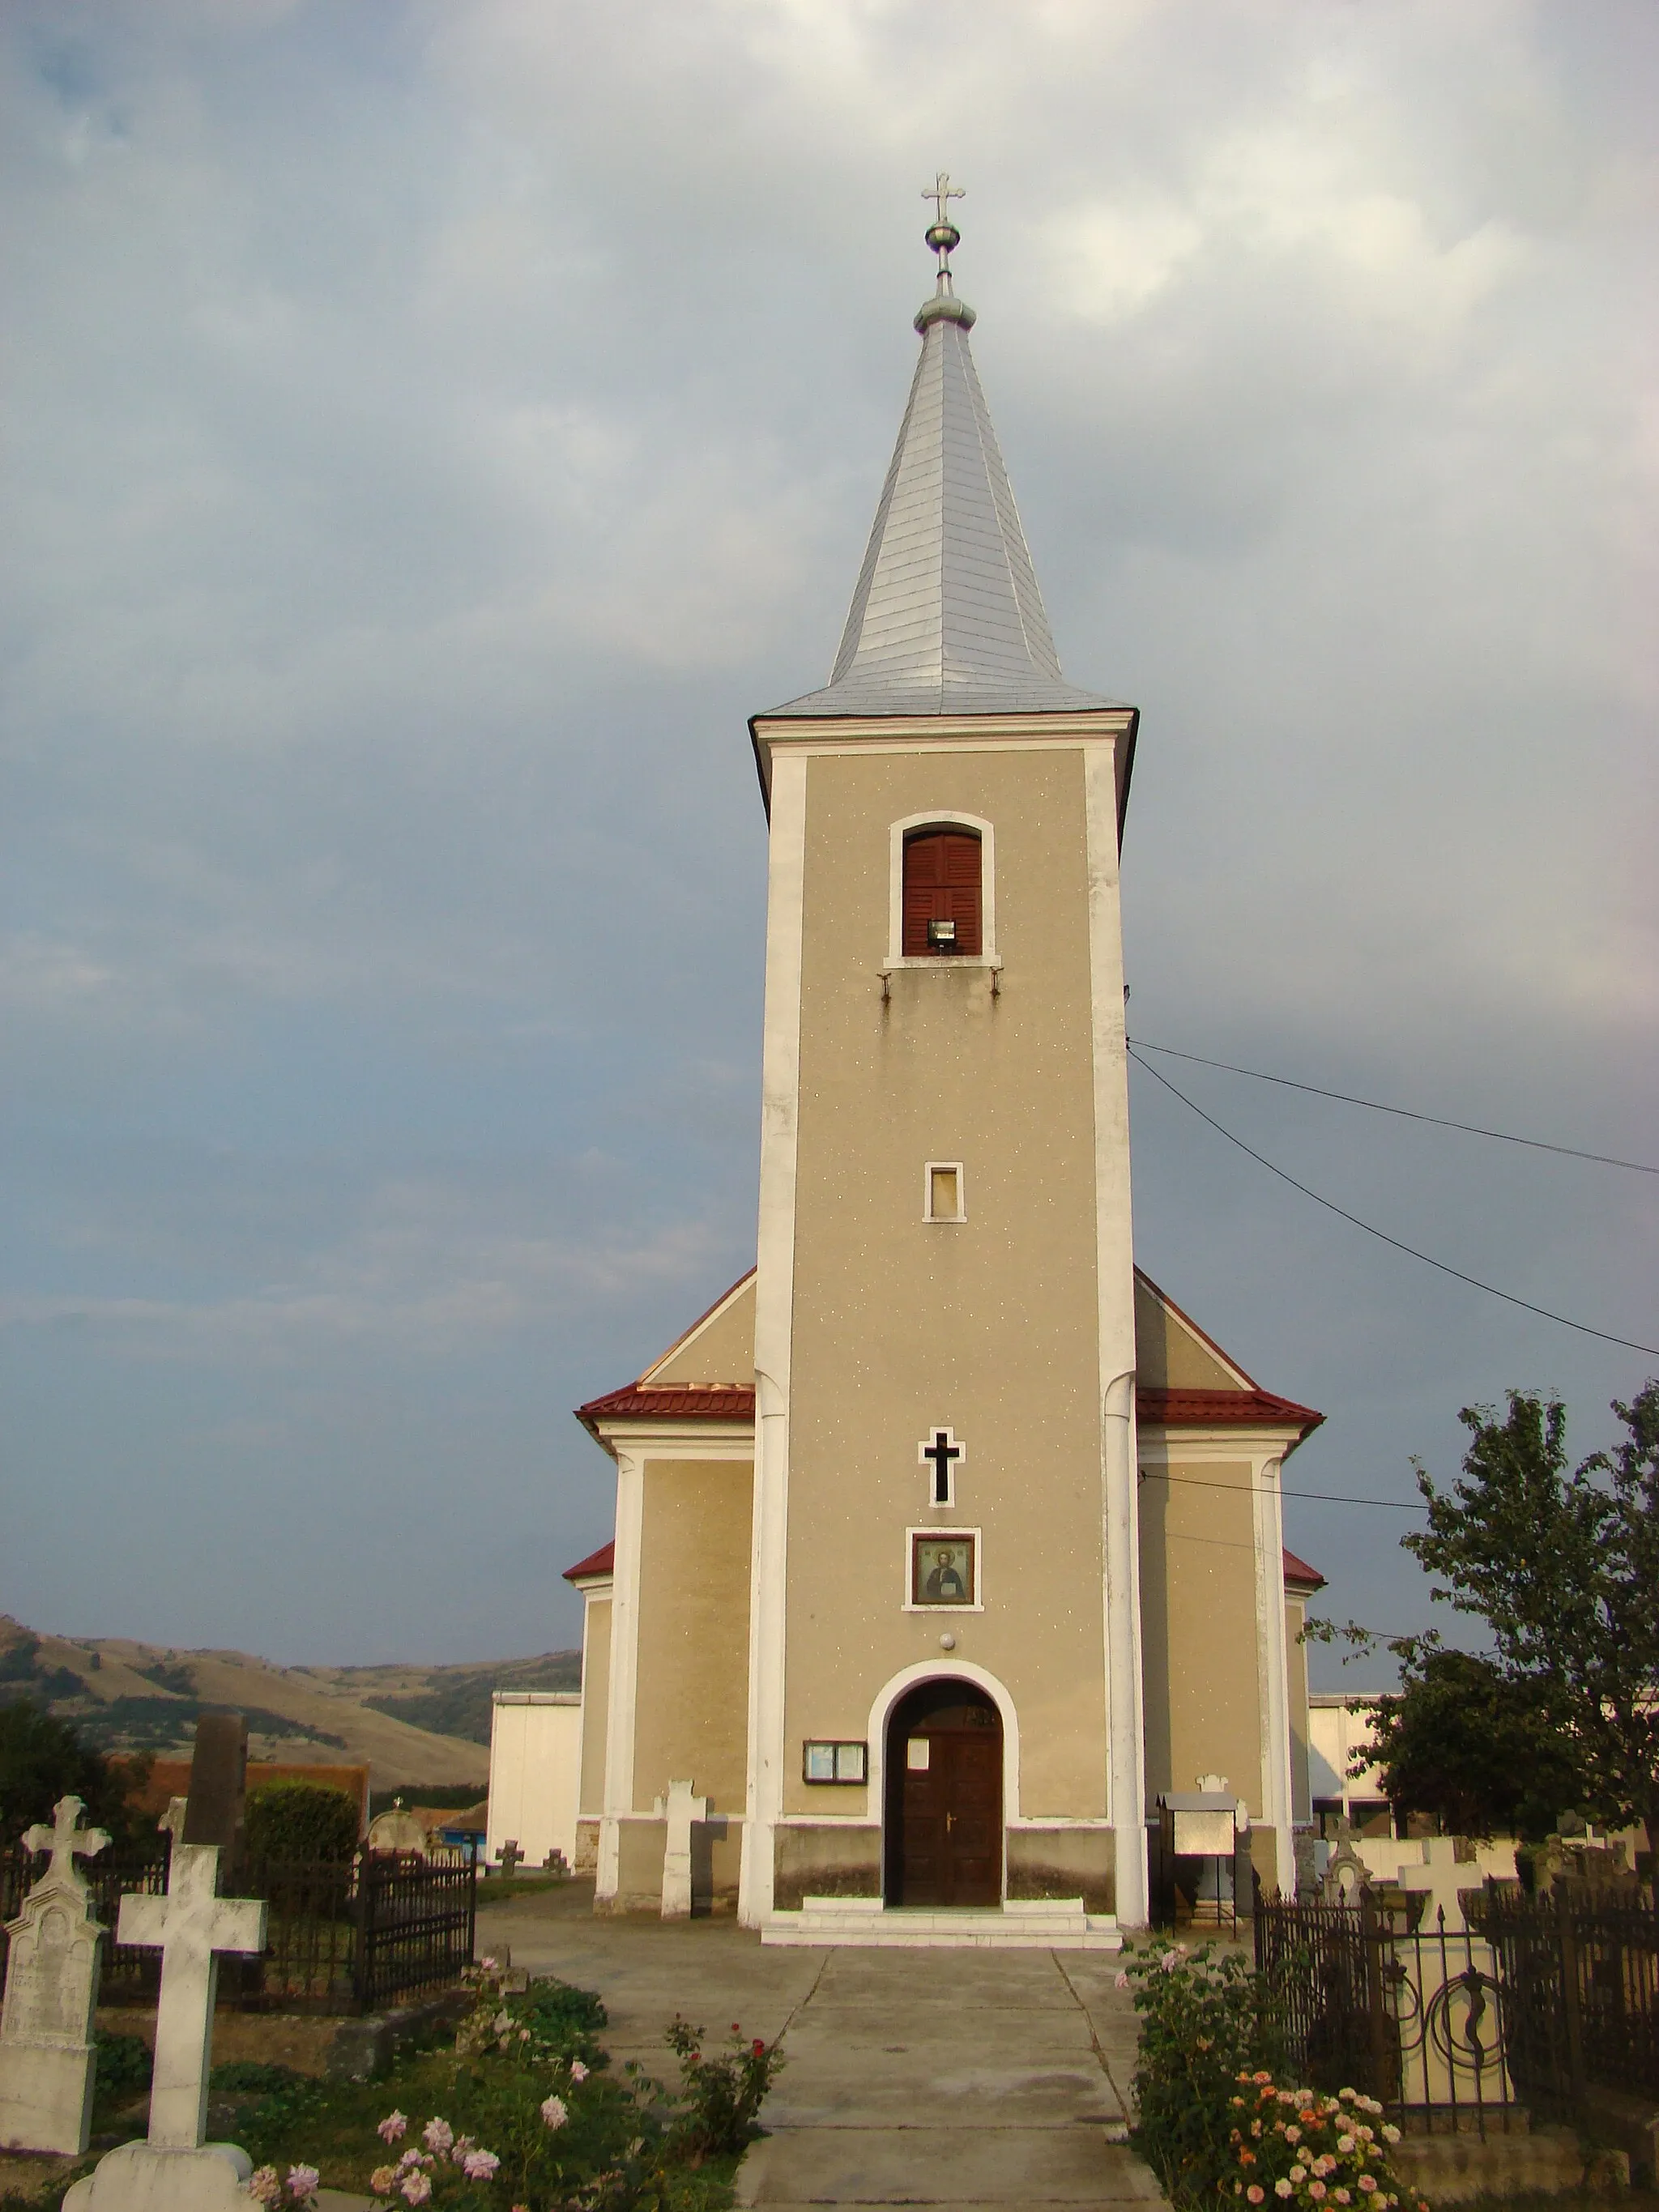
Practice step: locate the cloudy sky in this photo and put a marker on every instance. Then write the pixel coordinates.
(430, 430)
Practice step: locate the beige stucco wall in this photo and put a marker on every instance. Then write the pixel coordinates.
(719, 1350)
(991, 1326)
(595, 1701)
(1199, 1628)
(692, 1692)
(1296, 1667)
(1168, 1355)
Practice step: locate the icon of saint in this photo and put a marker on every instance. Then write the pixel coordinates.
(944, 1585)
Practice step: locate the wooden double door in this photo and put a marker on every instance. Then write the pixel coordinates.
(943, 1791)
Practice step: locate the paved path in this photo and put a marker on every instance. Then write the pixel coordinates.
(954, 2078)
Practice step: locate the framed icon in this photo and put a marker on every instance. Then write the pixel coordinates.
(944, 1571)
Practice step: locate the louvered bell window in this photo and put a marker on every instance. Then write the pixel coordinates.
(941, 893)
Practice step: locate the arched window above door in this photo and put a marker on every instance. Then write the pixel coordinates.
(943, 896)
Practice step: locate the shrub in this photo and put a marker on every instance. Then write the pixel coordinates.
(122, 2067)
(293, 1820)
(1298, 2149)
(1206, 2018)
(721, 2096)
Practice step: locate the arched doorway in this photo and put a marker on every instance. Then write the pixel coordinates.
(942, 1828)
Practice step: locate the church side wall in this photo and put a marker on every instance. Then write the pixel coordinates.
(990, 1326)
(692, 1701)
(596, 1706)
(1198, 1625)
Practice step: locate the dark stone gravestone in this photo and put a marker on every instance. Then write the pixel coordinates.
(217, 1803)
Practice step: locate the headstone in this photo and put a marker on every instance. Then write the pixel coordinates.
(555, 1861)
(1345, 1872)
(397, 1829)
(1440, 1881)
(175, 2171)
(681, 1810)
(52, 1990)
(217, 1804)
(509, 1854)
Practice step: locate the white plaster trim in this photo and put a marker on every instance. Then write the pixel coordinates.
(775, 1293)
(943, 817)
(1272, 1666)
(624, 1669)
(649, 1439)
(941, 1670)
(937, 1533)
(929, 1167)
(923, 734)
(1159, 1445)
(1114, 1289)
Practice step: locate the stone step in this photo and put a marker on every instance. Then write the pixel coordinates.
(1049, 1925)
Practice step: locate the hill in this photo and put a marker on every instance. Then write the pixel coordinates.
(409, 1724)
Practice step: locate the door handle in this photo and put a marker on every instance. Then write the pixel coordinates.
(949, 1822)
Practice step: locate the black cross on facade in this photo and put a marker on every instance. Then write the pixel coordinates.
(943, 1453)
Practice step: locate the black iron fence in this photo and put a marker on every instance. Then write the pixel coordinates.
(1581, 1983)
(1538, 2001)
(344, 1936)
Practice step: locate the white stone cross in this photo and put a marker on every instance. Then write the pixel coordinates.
(66, 1841)
(1442, 1876)
(680, 1810)
(189, 1926)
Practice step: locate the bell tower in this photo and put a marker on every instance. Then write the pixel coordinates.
(945, 1679)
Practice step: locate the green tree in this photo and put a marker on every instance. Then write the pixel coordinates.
(1563, 1567)
(43, 1759)
(1467, 1744)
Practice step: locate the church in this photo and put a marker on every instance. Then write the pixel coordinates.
(945, 1541)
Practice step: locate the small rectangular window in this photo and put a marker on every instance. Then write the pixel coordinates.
(943, 1194)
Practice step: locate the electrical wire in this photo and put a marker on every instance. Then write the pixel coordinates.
(1382, 1235)
(1325, 1496)
(1439, 1121)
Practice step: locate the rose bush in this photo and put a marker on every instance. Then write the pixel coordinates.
(1205, 2017)
(1296, 2147)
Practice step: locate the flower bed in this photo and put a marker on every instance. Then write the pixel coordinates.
(522, 2116)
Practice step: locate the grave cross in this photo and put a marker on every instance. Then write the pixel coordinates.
(1441, 1878)
(509, 1854)
(189, 1926)
(66, 1841)
(942, 1453)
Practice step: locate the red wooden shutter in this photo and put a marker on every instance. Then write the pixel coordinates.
(941, 884)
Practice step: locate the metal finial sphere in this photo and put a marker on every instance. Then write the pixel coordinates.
(943, 237)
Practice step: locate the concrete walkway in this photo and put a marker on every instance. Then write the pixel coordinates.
(960, 2078)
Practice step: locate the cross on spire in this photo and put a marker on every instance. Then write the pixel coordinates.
(189, 1926)
(66, 1840)
(942, 1453)
(942, 234)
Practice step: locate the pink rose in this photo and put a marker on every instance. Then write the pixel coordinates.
(554, 2112)
(438, 2135)
(393, 2127)
(578, 2071)
(416, 2189)
(1315, 2190)
(302, 2180)
(1255, 2193)
(479, 2165)
(263, 2187)
(381, 2180)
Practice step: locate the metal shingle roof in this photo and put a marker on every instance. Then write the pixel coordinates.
(946, 617)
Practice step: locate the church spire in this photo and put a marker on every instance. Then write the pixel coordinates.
(946, 617)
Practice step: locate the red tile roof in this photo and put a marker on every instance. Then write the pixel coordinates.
(672, 1402)
(1170, 1409)
(602, 1562)
(1298, 1575)
(1227, 1409)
